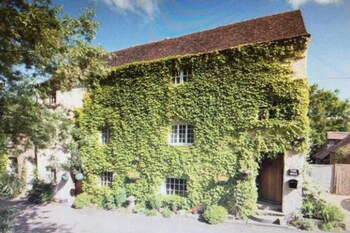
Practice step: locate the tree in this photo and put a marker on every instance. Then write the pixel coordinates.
(38, 42)
(327, 113)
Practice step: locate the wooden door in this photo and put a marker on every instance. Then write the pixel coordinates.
(270, 180)
(342, 179)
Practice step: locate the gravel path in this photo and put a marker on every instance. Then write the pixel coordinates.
(64, 219)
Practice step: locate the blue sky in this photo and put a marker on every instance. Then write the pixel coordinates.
(126, 23)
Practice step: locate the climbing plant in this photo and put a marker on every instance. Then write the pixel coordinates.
(243, 102)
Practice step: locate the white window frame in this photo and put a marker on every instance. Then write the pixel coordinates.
(107, 178)
(180, 185)
(181, 139)
(181, 76)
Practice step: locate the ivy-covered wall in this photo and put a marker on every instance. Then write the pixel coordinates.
(227, 92)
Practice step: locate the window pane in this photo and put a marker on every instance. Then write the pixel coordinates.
(176, 186)
(173, 138)
(190, 134)
(182, 133)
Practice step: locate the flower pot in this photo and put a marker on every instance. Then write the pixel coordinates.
(65, 176)
(79, 176)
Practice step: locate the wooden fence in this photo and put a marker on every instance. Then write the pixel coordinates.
(342, 179)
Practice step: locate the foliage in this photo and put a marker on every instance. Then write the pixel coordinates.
(332, 213)
(227, 91)
(215, 214)
(41, 192)
(320, 209)
(3, 162)
(167, 213)
(83, 200)
(302, 223)
(139, 208)
(39, 42)
(120, 197)
(155, 202)
(327, 113)
(107, 200)
(327, 226)
(150, 212)
(5, 221)
(10, 185)
(342, 154)
(175, 202)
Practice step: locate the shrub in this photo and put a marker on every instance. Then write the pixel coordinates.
(175, 202)
(167, 213)
(151, 212)
(81, 201)
(5, 221)
(120, 197)
(107, 200)
(332, 213)
(10, 185)
(139, 208)
(155, 202)
(319, 209)
(215, 214)
(41, 192)
(302, 223)
(327, 226)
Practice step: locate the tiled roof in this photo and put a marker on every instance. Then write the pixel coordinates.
(337, 135)
(265, 29)
(326, 151)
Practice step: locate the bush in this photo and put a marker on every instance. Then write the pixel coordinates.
(167, 213)
(10, 185)
(81, 201)
(41, 192)
(302, 223)
(155, 202)
(107, 200)
(5, 221)
(319, 209)
(215, 214)
(328, 226)
(139, 208)
(332, 213)
(175, 202)
(120, 197)
(151, 212)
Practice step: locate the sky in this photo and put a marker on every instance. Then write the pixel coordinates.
(126, 23)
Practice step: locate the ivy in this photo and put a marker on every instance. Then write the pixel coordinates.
(227, 92)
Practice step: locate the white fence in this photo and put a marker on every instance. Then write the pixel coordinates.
(323, 175)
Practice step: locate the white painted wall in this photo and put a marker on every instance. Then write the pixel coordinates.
(323, 175)
(71, 99)
(292, 198)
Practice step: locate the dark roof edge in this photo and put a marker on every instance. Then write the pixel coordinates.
(307, 35)
(214, 28)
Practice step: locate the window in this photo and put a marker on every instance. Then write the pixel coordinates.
(176, 186)
(107, 179)
(182, 134)
(106, 134)
(181, 76)
(52, 98)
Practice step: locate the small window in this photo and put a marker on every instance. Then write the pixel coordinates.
(182, 134)
(181, 76)
(107, 179)
(52, 98)
(176, 186)
(106, 134)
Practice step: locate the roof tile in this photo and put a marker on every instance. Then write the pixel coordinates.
(265, 29)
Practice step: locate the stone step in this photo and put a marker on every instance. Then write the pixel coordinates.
(267, 219)
(261, 212)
